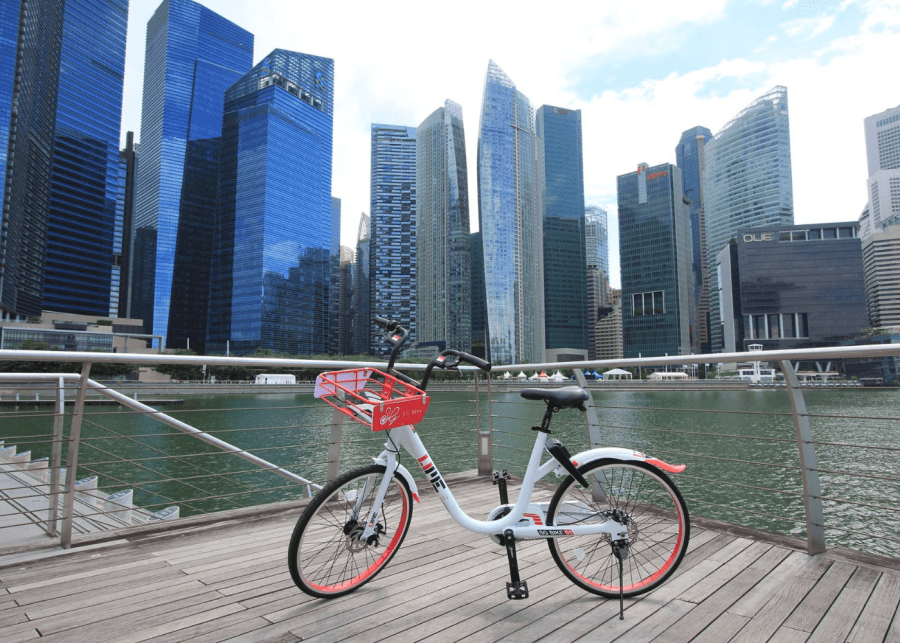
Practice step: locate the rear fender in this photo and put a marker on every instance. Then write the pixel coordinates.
(615, 453)
(404, 473)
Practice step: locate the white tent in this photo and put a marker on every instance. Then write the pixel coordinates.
(662, 376)
(617, 374)
(521, 376)
(534, 378)
(558, 377)
(507, 375)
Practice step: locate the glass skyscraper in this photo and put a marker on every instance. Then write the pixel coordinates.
(655, 251)
(746, 183)
(510, 222)
(392, 231)
(560, 165)
(61, 75)
(362, 330)
(443, 277)
(118, 296)
(596, 238)
(271, 256)
(192, 56)
(689, 158)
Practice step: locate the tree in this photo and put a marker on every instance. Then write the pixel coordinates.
(180, 371)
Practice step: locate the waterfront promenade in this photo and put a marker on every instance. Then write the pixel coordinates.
(228, 581)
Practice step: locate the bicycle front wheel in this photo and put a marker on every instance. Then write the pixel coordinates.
(646, 501)
(327, 557)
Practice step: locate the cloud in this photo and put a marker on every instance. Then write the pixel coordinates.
(808, 27)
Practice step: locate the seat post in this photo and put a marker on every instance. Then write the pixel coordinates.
(545, 423)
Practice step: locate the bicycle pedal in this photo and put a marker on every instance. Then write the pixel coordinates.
(517, 591)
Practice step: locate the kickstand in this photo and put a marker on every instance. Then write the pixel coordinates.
(620, 550)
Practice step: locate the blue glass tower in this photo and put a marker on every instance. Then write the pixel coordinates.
(561, 174)
(392, 230)
(271, 256)
(689, 158)
(746, 183)
(61, 75)
(192, 56)
(655, 251)
(444, 300)
(510, 222)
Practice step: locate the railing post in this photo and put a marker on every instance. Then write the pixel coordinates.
(591, 415)
(485, 436)
(809, 469)
(334, 445)
(72, 460)
(56, 459)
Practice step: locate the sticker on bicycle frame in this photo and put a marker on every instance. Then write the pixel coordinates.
(392, 414)
(554, 532)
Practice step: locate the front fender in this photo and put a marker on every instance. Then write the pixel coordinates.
(616, 453)
(405, 474)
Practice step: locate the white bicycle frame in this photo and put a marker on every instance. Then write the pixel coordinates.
(526, 519)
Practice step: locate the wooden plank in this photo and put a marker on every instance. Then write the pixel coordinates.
(645, 629)
(837, 622)
(116, 580)
(98, 568)
(750, 604)
(15, 637)
(749, 554)
(718, 602)
(722, 629)
(810, 611)
(876, 618)
(773, 614)
(179, 624)
(787, 635)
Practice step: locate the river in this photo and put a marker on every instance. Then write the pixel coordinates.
(739, 447)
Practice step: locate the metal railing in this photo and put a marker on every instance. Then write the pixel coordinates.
(820, 504)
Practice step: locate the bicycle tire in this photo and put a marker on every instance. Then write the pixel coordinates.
(658, 527)
(325, 556)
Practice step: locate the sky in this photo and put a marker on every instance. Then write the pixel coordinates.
(641, 74)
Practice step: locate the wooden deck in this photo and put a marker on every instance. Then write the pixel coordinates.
(230, 583)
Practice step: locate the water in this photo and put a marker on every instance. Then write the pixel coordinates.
(742, 467)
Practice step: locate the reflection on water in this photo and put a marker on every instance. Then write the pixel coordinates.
(739, 447)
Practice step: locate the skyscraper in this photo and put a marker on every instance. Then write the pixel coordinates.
(271, 257)
(689, 157)
(443, 277)
(655, 251)
(61, 74)
(560, 170)
(334, 278)
(119, 300)
(880, 224)
(362, 290)
(510, 222)
(596, 238)
(746, 183)
(392, 230)
(192, 56)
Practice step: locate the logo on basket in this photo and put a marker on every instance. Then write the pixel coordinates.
(390, 415)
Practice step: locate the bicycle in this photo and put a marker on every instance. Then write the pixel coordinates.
(616, 526)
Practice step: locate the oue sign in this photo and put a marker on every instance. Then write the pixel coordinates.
(762, 236)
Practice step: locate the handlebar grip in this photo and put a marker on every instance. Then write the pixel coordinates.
(381, 321)
(475, 361)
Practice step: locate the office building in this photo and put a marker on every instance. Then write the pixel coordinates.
(510, 222)
(880, 223)
(655, 250)
(596, 238)
(192, 56)
(560, 171)
(608, 333)
(796, 286)
(746, 183)
(689, 155)
(362, 333)
(334, 278)
(345, 320)
(479, 305)
(272, 252)
(122, 229)
(61, 75)
(443, 274)
(392, 230)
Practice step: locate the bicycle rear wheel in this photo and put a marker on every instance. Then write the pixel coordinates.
(647, 501)
(326, 556)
